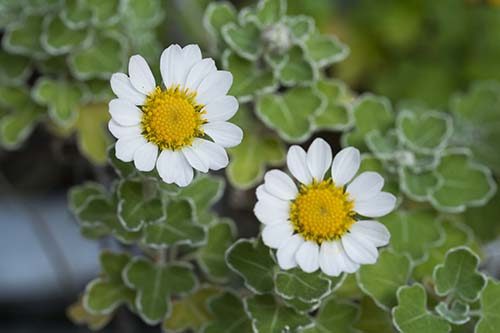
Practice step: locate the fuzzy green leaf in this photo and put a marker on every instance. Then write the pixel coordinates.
(16, 127)
(411, 314)
(325, 50)
(297, 69)
(155, 284)
(417, 185)
(490, 308)
(479, 219)
(217, 15)
(244, 39)
(105, 12)
(307, 287)
(457, 313)
(92, 133)
(123, 169)
(57, 38)
(23, 36)
(270, 11)
(373, 319)
(458, 277)
(14, 69)
(334, 317)
(203, 192)
(381, 280)
(76, 14)
(336, 115)
(302, 306)
(229, 315)
(300, 26)
(78, 315)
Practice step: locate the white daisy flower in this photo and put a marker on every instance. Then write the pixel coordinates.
(315, 225)
(169, 127)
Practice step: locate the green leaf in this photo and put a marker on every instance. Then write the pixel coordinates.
(155, 284)
(270, 317)
(76, 14)
(300, 26)
(122, 169)
(14, 69)
(210, 257)
(334, 317)
(411, 315)
(290, 114)
(413, 232)
(270, 11)
(462, 182)
(258, 149)
(425, 132)
(490, 320)
(62, 97)
(417, 185)
(370, 113)
(105, 12)
(229, 315)
(178, 228)
(336, 115)
(381, 280)
(252, 260)
(479, 219)
(302, 306)
(248, 78)
(23, 37)
(217, 15)
(92, 132)
(78, 315)
(190, 312)
(458, 277)
(457, 314)
(325, 50)
(80, 196)
(104, 294)
(17, 126)
(104, 57)
(138, 204)
(373, 319)
(295, 283)
(297, 69)
(244, 39)
(57, 38)
(203, 192)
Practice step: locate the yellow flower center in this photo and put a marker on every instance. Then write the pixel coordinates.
(322, 211)
(171, 118)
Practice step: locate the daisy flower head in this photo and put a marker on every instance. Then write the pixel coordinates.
(316, 224)
(176, 126)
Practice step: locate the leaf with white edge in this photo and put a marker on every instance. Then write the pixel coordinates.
(210, 257)
(411, 314)
(337, 114)
(178, 228)
(229, 315)
(302, 306)
(325, 50)
(297, 69)
(105, 56)
(413, 232)
(243, 39)
(248, 78)
(139, 204)
(334, 317)
(270, 11)
(417, 185)
(479, 219)
(57, 38)
(155, 284)
(268, 316)
(104, 294)
(373, 319)
(78, 315)
(79, 196)
(217, 15)
(190, 312)
(457, 314)
(384, 146)
(16, 127)
(62, 98)
(290, 114)
(252, 260)
(143, 14)
(92, 133)
(462, 182)
(14, 69)
(295, 283)
(490, 308)
(370, 112)
(424, 132)
(75, 14)
(381, 280)
(23, 37)
(203, 192)
(300, 26)
(122, 169)
(105, 12)
(458, 276)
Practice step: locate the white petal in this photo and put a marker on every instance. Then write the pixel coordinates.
(365, 186)
(319, 158)
(345, 165)
(268, 198)
(140, 74)
(145, 157)
(199, 72)
(272, 212)
(307, 256)
(121, 86)
(296, 160)
(327, 263)
(275, 234)
(120, 131)
(221, 109)
(286, 252)
(360, 250)
(215, 85)
(374, 231)
(224, 133)
(215, 155)
(173, 167)
(196, 158)
(126, 147)
(191, 54)
(280, 185)
(124, 113)
(341, 259)
(170, 58)
(381, 204)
